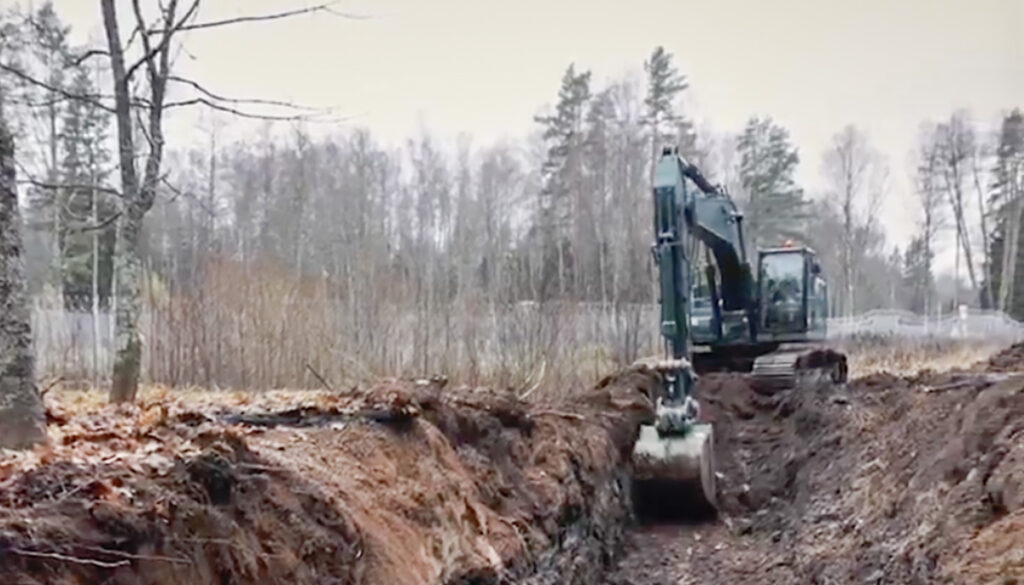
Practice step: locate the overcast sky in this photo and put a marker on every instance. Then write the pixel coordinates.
(485, 67)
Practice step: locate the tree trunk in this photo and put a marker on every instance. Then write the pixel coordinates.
(22, 421)
(127, 342)
(57, 205)
(986, 293)
(1007, 255)
(95, 285)
(137, 198)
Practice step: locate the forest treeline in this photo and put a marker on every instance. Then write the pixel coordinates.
(428, 228)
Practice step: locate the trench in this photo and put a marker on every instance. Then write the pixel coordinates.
(887, 479)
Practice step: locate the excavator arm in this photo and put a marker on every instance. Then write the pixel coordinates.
(681, 215)
(675, 456)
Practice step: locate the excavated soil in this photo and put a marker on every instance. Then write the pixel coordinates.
(408, 483)
(887, 480)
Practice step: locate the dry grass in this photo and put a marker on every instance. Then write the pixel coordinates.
(90, 400)
(908, 357)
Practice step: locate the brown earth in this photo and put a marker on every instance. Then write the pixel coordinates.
(1009, 360)
(889, 480)
(408, 483)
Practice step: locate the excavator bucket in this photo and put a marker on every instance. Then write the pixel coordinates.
(674, 474)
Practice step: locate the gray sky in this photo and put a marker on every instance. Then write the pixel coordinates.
(485, 67)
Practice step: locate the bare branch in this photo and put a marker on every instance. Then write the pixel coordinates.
(51, 385)
(149, 52)
(77, 61)
(319, 378)
(558, 413)
(69, 559)
(220, 107)
(221, 98)
(95, 226)
(83, 186)
(46, 185)
(325, 8)
(178, 560)
(179, 193)
(90, 98)
(132, 37)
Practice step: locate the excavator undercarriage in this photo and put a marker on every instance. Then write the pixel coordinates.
(779, 367)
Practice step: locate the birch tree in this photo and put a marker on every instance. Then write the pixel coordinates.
(138, 193)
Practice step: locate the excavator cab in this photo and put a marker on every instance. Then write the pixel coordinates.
(792, 295)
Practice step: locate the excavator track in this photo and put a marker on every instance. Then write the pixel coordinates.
(789, 368)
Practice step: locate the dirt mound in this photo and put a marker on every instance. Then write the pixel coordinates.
(887, 480)
(408, 483)
(1010, 359)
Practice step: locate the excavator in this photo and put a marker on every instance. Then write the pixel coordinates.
(767, 321)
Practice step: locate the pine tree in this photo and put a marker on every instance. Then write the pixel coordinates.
(562, 174)
(84, 167)
(775, 206)
(1007, 203)
(666, 126)
(917, 275)
(43, 53)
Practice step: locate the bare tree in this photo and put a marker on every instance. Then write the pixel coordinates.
(139, 193)
(22, 423)
(856, 175)
(931, 197)
(137, 196)
(955, 146)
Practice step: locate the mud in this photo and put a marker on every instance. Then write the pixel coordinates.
(886, 480)
(407, 483)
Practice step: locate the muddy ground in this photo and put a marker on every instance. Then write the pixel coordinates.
(888, 480)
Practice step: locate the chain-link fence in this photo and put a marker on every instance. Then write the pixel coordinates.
(263, 339)
(967, 323)
(72, 339)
